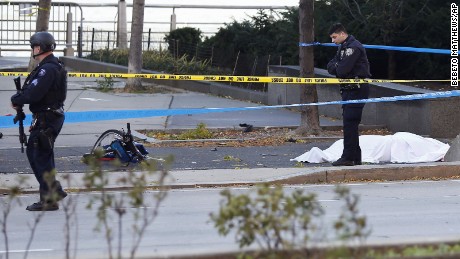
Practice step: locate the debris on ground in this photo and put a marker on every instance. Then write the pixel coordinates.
(237, 138)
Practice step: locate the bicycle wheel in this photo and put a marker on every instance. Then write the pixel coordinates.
(104, 141)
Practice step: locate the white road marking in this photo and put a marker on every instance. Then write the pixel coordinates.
(92, 99)
(23, 251)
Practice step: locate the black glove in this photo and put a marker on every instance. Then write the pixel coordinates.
(19, 117)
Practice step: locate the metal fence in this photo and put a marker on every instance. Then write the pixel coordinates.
(95, 39)
(18, 22)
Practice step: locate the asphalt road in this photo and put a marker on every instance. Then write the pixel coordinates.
(68, 159)
(396, 212)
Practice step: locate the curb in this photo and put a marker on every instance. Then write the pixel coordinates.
(391, 172)
(317, 251)
(318, 175)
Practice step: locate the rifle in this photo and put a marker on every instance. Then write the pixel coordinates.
(20, 116)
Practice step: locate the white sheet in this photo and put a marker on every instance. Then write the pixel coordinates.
(402, 147)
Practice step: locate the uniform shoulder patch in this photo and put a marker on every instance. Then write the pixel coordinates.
(42, 72)
(349, 52)
(34, 82)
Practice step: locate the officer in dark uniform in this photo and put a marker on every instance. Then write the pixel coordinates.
(45, 91)
(350, 62)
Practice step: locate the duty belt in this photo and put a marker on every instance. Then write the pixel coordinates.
(39, 116)
(58, 111)
(350, 87)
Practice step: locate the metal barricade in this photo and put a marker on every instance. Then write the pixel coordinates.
(18, 21)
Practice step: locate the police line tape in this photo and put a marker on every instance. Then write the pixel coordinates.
(92, 116)
(242, 79)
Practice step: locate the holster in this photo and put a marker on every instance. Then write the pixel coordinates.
(46, 139)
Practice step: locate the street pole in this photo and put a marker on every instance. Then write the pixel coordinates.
(122, 30)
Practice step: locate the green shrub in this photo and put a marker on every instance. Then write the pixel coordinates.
(201, 132)
(278, 222)
(105, 85)
(161, 61)
(272, 219)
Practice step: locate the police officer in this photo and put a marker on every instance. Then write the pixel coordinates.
(350, 62)
(45, 91)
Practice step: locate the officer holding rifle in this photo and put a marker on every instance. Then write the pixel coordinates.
(44, 90)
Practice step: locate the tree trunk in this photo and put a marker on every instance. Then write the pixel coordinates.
(43, 17)
(135, 49)
(42, 23)
(391, 64)
(309, 119)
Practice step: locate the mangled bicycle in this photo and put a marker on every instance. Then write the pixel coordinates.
(115, 144)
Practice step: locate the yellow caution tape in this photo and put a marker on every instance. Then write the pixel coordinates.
(240, 79)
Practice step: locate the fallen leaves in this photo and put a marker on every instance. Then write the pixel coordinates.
(238, 138)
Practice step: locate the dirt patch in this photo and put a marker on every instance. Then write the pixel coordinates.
(255, 138)
(149, 88)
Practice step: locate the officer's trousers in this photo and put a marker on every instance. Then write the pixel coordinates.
(40, 155)
(351, 118)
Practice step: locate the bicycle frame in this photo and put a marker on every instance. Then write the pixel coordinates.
(120, 145)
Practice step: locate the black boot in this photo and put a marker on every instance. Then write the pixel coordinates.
(57, 193)
(343, 162)
(43, 206)
(358, 160)
(54, 194)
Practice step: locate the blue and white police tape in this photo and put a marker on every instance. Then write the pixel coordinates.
(92, 116)
(396, 48)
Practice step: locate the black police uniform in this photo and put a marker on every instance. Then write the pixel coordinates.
(43, 91)
(351, 62)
